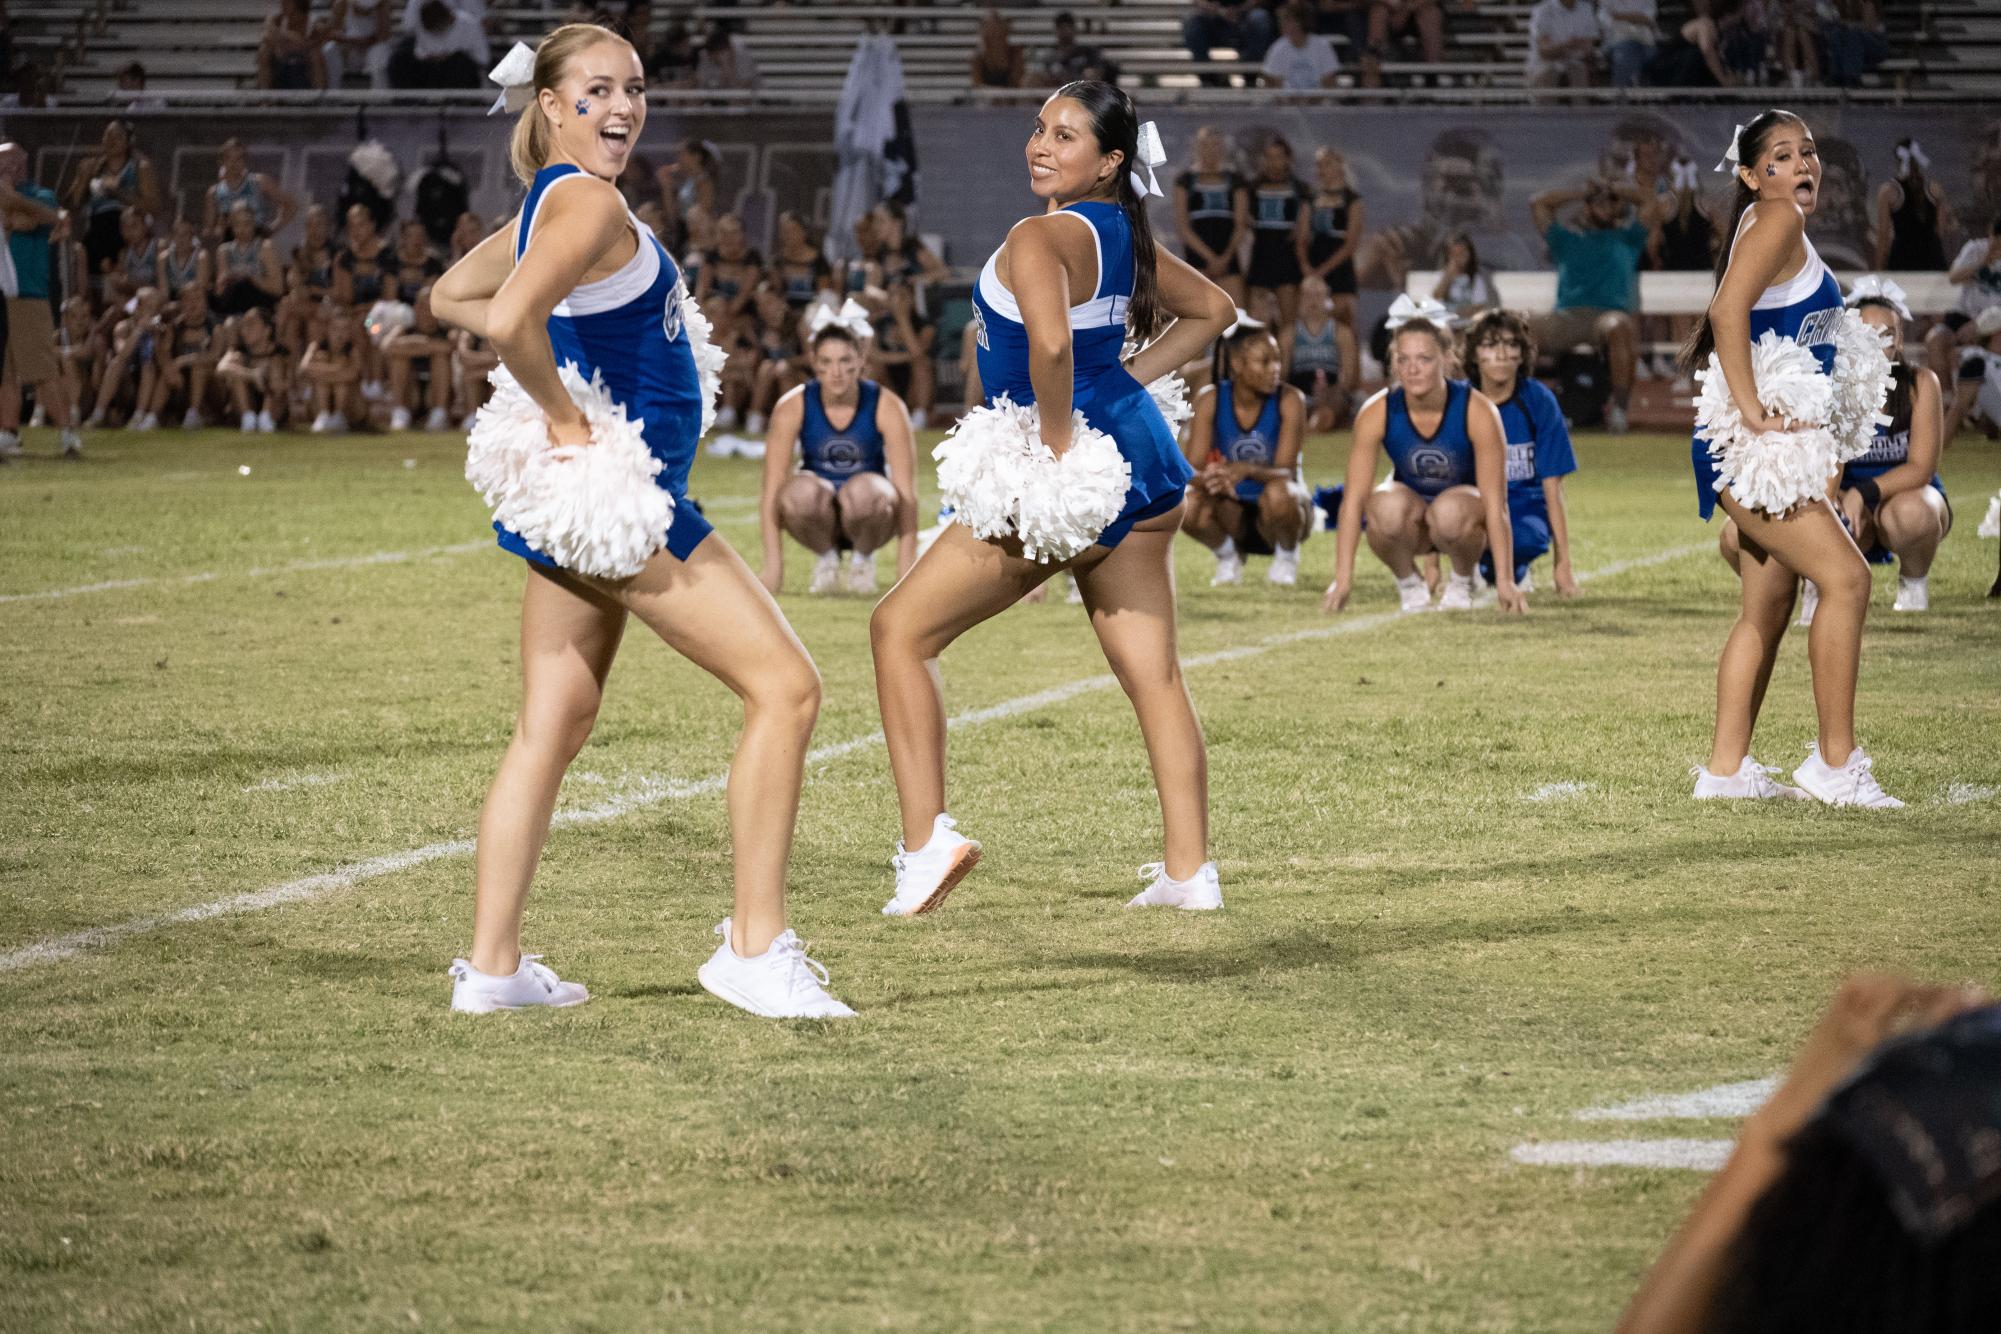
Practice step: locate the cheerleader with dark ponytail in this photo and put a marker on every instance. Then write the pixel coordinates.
(1052, 310)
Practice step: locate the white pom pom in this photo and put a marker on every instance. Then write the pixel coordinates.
(1170, 395)
(1000, 480)
(595, 509)
(1862, 384)
(1770, 470)
(709, 358)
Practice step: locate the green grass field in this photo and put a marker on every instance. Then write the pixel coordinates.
(1052, 1114)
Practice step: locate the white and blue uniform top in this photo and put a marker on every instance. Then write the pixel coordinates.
(1430, 464)
(627, 328)
(1891, 449)
(1804, 308)
(839, 454)
(1110, 399)
(1538, 442)
(1233, 444)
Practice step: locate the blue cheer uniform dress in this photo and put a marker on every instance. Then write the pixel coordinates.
(840, 455)
(1804, 308)
(627, 328)
(1430, 464)
(1110, 399)
(1892, 449)
(1538, 444)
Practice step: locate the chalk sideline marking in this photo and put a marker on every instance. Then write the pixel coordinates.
(1558, 791)
(1735, 1100)
(1694, 1155)
(287, 781)
(653, 791)
(254, 572)
(1963, 794)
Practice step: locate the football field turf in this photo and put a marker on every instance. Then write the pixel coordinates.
(255, 688)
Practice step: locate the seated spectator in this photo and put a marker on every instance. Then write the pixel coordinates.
(1693, 57)
(1629, 39)
(1243, 25)
(419, 361)
(1563, 44)
(290, 56)
(996, 61)
(138, 262)
(117, 177)
(82, 350)
(236, 183)
(1300, 60)
(725, 61)
(1350, 19)
(363, 273)
(255, 371)
(1855, 40)
(446, 48)
(1977, 379)
(413, 263)
(1462, 284)
(472, 357)
(196, 339)
(729, 278)
(778, 353)
(799, 266)
(900, 353)
(687, 183)
(672, 64)
(467, 233)
(698, 242)
(1745, 38)
(132, 370)
(1795, 30)
(1069, 59)
(185, 262)
(1400, 18)
(247, 273)
(358, 41)
(132, 89)
(1597, 260)
(898, 256)
(333, 367)
(1865, 1195)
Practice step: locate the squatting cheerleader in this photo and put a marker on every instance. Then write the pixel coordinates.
(1539, 451)
(1244, 442)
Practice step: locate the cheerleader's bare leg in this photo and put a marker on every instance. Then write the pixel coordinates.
(1808, 543)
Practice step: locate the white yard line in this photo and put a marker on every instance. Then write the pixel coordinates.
(254, 572)
(1694, 1155)
(285, 782)
(1965, 794)
(1734, 1100)
(1558, 791)
(652, 791)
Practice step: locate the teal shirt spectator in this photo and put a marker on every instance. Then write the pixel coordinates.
(30, 247)
(1597, 267)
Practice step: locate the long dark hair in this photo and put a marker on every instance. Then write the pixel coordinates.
(1234, 337)
(1750, 145)
(1903, 377)
(1115, 125)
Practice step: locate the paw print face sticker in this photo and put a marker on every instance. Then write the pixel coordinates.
(583, 106)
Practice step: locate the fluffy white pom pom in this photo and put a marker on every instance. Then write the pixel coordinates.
(1862, 383)
(1000, 480)
(1770, 470)
(709, 358)
(1170, 395)
(595, 509)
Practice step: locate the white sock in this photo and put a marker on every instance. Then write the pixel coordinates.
(1411, 580)
(1465, 580)
(1228, 550)
(1292, 550)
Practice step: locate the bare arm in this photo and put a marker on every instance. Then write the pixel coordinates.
(270, 275)
(24, 212)
(1184, 227)
(1542, 209)
(1962, 274)
(1490, 474)
(1559, 536)
(1201, 429)
(1358, 223)
(1201, 312)
(899, 451)
(781, 437)
(1765, 249)
(1927, 433)
(286, 204)
(1361, 479)
(1880, 252)
(1033, 260)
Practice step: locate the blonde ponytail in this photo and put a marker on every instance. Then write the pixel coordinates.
(528, 146)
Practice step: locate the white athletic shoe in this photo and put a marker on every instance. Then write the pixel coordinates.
(861, 573)
(148, 422)
(781, 983)
(399, 419)
(10, 445)
(323, 423)
(191, 420)
(826, 573)
(1615, 419)
(1229, 569)
(1913, 594)
(926, 876)
(439, 420)
(1809, 600)
(249, 423)
(533, 983)
(72, 440)
(726, 419)
(266, 423)
(1200, 892)
(754, 424)
(1458, 594)
(1850, 785)
(1752, 780)
(1284, 569)
(1075, 597)
(1413, 593)
(1526, 583)
(372, 391)
(919, 419)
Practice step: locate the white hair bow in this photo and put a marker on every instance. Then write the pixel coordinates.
(516, 76)
(1151, 155)
(852, 316)
(1730, 160)
(1682, 174)
(1909, 152)
(1431, 310)
(1875, 287)
(1244, 320)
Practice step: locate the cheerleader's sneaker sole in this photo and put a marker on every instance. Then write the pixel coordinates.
(1851, 784)
(1201, 892)
(1752, 782)
(926, 876)
(781, 983)
(532, 984)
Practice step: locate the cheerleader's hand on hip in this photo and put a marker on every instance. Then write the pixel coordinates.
(1509, 597)
(1337, 597)
(569, 435)
(1756, 419)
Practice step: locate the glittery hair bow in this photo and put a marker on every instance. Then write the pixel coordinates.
(1431, 310)
(1875, 287)
(852, 316)
(1151, 155)
(1909, 152)
(516, 76)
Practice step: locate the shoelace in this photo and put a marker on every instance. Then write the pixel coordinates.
(1153, 871)
(1762, 777)
(792, 953)
(1862, 784)
(540, 972)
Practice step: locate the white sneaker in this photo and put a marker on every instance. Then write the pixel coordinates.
(1458, 594)
(826, 573)
(1229, 569)
(399, 419)
(781, 983)
(861, 573)
(1850, 785)
(248, 424)
(726, 419)
(323, 423)
(754, 424)
(1913, 594)
(1752, 780)
(1615, 419)
(191, 420)
(72, 440)
(1284, 569)
(372, 391)
(926, 876)
(533, 983)
(1527, 582)
(266, 423)
(148, 422)
(339, 426)
(1413, 593)
(1809, 600)
(1200, 892)
(10, 445)
(919, 419)
(438, 420)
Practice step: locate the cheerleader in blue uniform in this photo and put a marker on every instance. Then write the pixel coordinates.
(1244, 442)
(1770, 279)
(578, 280)
(1539, 451)
(1052, 308)
(854, 483)
(1447, 491)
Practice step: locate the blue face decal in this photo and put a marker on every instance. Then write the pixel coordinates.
(583, 107)
(1771, 171)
